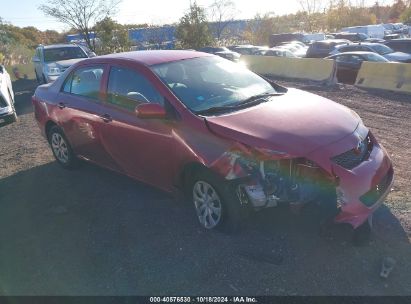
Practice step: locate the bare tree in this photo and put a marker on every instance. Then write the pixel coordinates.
(80, 14)
(221, 12)
(311, 8)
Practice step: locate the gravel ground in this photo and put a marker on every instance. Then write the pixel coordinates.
(94, 232)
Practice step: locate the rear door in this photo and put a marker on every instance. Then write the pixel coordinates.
(80, 111)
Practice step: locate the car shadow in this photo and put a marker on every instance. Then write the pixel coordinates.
(23, 90)
(94, 232)
(392, 96)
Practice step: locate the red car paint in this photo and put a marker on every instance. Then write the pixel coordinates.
(156, 151)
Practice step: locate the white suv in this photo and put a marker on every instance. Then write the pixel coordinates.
(52, 60)
(7, 111)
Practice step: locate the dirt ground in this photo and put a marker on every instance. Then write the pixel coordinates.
(94, 232)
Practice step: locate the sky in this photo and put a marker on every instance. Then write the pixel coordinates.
(25, 12)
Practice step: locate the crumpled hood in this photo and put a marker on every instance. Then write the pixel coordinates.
(296, 123)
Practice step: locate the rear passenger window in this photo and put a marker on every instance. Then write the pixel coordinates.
(85, 82)
(127, 89)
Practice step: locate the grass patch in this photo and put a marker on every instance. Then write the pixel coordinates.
(24, 69)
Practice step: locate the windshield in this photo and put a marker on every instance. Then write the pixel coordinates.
(362, 36)
(63, 53)
(289, 47)
(207, 82)
(296, 45)
(382, 49)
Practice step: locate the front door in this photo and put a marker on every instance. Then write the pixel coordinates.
(143, 148)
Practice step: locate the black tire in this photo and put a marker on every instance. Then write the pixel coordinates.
(67, 160)
(327, 210)
(37, 78)
(233, 213)
(362, 234)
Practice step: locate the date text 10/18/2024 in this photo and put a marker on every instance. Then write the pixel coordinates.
(203, 300)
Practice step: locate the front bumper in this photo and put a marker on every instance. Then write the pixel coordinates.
(6, 115)
(6, 111)
(51, 78)
(355, 184)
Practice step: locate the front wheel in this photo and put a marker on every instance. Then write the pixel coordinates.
(216, 204)
(61, 148)
(362, 234)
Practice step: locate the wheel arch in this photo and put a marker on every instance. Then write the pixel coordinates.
(187, 173)
(47, 128)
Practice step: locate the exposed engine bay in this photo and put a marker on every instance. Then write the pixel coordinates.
(266, 182)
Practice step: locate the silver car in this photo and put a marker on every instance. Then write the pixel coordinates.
(51, 61)
(7, 111)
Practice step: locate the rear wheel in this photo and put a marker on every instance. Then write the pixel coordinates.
(61, 148)
(216, 204)
(37, 78)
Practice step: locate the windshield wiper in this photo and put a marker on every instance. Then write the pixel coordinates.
(214, 110)
(251, 101)
(254, 98)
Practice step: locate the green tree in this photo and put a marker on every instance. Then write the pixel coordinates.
(312, 14)
(397, 10)
(406, 15)
(192, 30)
(259, 29)
(113, 37)
(51, 37)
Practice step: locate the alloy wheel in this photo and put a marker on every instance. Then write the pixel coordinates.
(207, 204)
(60, 148)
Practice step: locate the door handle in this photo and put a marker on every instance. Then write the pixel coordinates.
(61, 105)
(106, 118)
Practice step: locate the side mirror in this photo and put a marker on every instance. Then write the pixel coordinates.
(35, 59)
(151, 110)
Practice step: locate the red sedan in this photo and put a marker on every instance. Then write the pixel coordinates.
(194, 123)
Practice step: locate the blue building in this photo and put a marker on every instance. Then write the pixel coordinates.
(79, 37)
(164, 36)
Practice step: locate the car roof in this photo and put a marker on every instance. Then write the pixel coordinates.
(345, 33)
(329, 41)
(52, 46)
(152, 57)
(361, 43)
(245, 47)
(355, 53)
(401, 39)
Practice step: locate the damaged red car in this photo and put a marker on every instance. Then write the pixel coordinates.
(233, 141)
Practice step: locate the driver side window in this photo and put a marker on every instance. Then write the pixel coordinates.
(128, 88)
